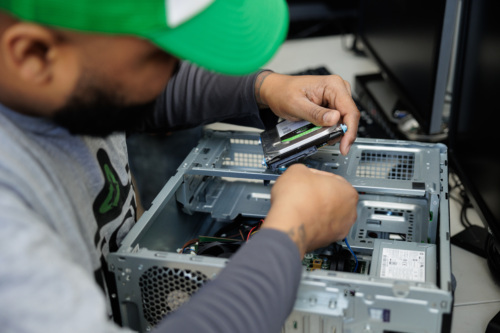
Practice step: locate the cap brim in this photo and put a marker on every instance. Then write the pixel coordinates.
(229, 37)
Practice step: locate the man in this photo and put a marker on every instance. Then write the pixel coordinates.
(74, 75)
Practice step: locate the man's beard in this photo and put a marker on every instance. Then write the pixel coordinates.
(93, 111)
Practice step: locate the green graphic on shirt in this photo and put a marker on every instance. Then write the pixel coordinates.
(113, 196)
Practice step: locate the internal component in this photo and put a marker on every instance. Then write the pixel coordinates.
(228, 239)
(225, 241)
(290, 141)
(334, 257)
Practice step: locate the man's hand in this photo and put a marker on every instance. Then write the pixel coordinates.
(315, 208)
(322, 100)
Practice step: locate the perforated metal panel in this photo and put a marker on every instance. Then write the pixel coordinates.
(165, 289)
(236, 141)
(244, 153)
(245, 160)
(386, 165)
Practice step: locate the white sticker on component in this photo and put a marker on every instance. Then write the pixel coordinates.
(403, 264)
(288, 126)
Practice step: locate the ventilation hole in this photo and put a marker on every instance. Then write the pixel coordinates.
(388, 165)
(244, 160)
(177, 287)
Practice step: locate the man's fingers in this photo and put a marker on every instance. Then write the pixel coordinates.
(328, 174)
(351, 120)
(330, 117)
(321, 172)
(319, 115)
(348, 87)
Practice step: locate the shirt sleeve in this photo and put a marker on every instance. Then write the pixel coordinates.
(255, 292)
(195, 96)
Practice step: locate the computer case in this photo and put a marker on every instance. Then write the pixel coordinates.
(401, 237)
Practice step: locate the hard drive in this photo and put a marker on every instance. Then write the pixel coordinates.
(291, 141)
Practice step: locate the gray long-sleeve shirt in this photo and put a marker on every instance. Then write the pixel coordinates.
(57, 222)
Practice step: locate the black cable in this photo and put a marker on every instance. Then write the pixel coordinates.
(493, 256)
(463, 199)
(234, 227)
(218, 249)
(463, 213)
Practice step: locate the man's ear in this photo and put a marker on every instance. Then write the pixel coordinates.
(29, 49)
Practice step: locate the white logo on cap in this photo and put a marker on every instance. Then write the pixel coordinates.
(180, 11)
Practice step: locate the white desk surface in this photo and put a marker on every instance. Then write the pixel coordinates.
(301, 54)
(477, 297)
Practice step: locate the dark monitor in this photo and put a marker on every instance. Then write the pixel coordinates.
(474, 130)
(412, 43)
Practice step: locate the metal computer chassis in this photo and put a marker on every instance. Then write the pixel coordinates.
(403, 215)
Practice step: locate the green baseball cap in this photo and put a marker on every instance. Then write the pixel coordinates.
(233, 37)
